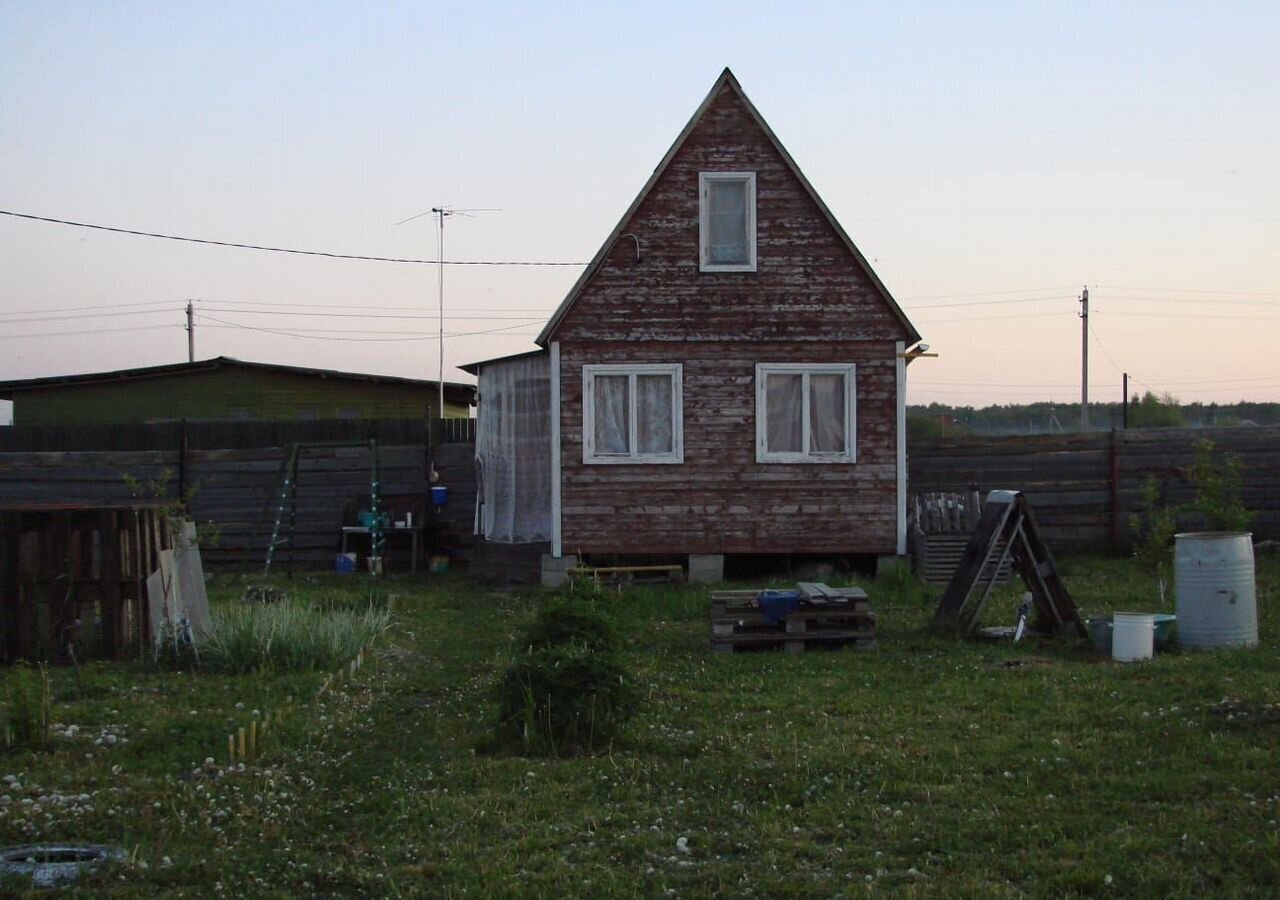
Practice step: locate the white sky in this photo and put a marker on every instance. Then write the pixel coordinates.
(988, 162)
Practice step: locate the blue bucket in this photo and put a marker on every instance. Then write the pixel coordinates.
(777, 605)
(439, 494)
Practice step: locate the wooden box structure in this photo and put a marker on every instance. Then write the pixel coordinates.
(821, 617)
(941, 523)
(73, 574)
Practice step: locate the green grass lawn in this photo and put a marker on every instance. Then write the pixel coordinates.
(927, 767)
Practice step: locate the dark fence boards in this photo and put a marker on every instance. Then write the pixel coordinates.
(209, 434)
(1084, 488)
(238, 490)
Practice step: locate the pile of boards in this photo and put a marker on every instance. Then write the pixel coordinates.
(811, 615)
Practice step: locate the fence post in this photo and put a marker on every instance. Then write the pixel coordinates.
(1114, 460)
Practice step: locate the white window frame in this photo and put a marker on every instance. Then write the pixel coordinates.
(675, 371)
(704, 221)
(848, 370)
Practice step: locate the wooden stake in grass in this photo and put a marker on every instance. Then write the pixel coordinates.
(231, 749)
(253, 739)
(240, 743)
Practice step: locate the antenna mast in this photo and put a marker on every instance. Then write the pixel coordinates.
(440, 212)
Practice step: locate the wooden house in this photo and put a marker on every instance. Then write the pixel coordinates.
(225, 388)
(727, 376)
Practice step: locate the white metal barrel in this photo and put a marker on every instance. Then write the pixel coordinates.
(1214, 584)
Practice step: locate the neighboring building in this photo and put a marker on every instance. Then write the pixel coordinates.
(224, 388)
(726, 377)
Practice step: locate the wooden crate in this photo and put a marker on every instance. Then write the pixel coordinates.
(938, 555)
(737, 623)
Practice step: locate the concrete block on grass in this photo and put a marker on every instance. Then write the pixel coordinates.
(706, 568)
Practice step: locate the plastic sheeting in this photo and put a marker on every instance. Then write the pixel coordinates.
(513, 451)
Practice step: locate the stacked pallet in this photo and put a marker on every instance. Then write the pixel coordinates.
(813, 615)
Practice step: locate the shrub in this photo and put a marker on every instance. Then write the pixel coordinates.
(571, 623)
(569, 692)
(288, 637)
(27, 707)
(1218, 491)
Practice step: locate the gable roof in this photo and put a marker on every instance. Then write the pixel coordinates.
(9, 388)
(729, 82)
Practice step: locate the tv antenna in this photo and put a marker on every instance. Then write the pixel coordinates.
(441, 213)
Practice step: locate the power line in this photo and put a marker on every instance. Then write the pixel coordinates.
(241, 246)
(1113, 287)
(1035, 290)
(1103, 347)
(993, 302)
(316, 333)
(21, 337)
(58, 309)
(99, 315)
(1056, 312)
(362, 315)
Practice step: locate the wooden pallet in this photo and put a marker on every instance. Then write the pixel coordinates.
(827, 617)
(939, 555)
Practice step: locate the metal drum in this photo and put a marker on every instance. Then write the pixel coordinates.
(1214, 584)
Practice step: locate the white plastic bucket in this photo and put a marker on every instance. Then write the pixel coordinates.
(1214, 585)
(1133, 636)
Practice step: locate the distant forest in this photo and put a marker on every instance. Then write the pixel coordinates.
(1147, 411)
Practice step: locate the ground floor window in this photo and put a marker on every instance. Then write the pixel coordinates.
(632, 414)
(805, 413)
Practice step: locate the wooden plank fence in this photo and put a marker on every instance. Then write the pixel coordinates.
(1085, 488)
(237, 489)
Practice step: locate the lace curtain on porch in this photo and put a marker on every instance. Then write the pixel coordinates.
(513, 451)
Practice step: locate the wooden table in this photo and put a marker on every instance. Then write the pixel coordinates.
(413, 531)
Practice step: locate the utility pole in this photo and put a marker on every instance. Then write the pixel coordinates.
(1124, 406)
(1084, 359)
(191, 332)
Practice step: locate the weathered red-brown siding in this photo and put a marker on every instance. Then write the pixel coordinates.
(810, 300)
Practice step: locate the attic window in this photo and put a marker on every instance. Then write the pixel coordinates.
(727, 221)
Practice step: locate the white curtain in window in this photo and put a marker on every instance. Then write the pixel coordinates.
(653, 414)
(513, 451)
(785, 413)
(611, 426)
(727, 223)
(826, 413)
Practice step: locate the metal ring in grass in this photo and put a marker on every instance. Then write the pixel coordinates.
(52, 864)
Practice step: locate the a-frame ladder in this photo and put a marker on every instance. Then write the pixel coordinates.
(287, 499)
(1008, 530)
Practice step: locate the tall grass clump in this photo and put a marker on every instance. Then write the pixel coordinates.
(568, 692)
(27, 705)
(288, 637)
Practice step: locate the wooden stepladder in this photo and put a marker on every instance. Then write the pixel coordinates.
(286, 511)
(1007, 531)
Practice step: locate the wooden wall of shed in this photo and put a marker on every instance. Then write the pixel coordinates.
(225, 393)
(720, 500)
